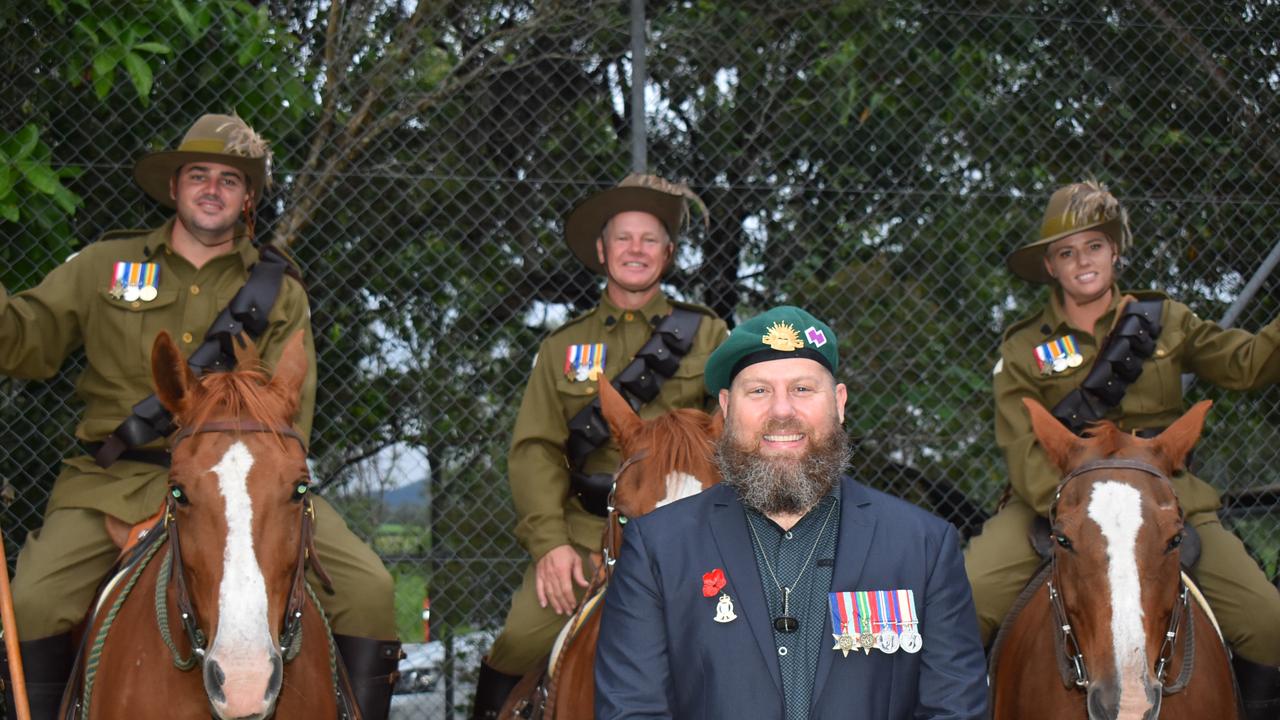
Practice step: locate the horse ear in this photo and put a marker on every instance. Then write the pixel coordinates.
(1054, 437)
(172, 377)
(291, 370)
(623, 421)
(1178, 439)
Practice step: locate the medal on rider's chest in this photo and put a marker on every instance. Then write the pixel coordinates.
(911, 640)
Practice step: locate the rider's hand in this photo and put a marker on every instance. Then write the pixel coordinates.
(556, 573)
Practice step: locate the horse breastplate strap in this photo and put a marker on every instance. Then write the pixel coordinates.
(1119, 363)
(639, 382)
(246, 313)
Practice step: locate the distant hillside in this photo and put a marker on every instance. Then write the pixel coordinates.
(411, 494)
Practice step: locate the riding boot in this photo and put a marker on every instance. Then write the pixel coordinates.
(46, 665)
(492, 689)
(372, 669)
(1259, 689)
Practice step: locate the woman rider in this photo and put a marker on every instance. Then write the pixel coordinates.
(1047, 355)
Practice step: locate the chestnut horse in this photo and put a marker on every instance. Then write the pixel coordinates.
(664, 459)
(218, 583)
(1109, 631)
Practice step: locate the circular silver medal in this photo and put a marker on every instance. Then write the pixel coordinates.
(911, 640)
(1059, 364)
(887, 641)
(1075, 360)
(147, 293)
(131, 293)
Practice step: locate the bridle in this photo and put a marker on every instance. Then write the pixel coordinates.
(1070, 659)
(616, 518)
(291, 627)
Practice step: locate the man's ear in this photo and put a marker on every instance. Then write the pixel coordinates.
(600, 251)
(842, 397)
(724, 401)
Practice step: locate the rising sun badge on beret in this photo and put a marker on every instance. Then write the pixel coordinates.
(781, 336)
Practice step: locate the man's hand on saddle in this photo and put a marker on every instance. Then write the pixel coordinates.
(556, 573)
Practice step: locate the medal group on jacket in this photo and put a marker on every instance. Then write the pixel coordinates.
(135, 281)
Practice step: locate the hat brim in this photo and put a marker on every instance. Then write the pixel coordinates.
(583, 225)
(153, 171)
(1027, 262)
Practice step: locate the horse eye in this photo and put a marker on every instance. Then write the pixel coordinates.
(1063, 541)
(1174, 542)
(300, 490)
(178, 495)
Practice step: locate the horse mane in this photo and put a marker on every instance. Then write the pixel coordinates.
(677, 440)
(240, 393)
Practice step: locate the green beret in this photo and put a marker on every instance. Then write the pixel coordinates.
(783, 332)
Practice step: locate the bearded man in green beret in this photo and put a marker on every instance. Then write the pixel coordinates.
(112, 299)
(561, 461)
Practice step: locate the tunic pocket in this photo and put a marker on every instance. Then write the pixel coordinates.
(123, 331)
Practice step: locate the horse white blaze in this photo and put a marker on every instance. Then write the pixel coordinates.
(1117, 508)
(242, 646)
(679, 485)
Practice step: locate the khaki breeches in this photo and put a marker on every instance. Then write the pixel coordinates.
(62, 563)
(531, 630)
(1001, 561)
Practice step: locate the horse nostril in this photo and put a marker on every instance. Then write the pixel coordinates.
(277, 673)
(214, 678)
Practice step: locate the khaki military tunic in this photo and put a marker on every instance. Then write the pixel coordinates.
(61, 564)
(549, 514)
(1001, 560)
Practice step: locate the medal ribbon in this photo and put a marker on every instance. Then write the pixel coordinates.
(907, 600)
(864, 610)
(894, 610)
(851, 611)
(152, 274)
(839, 616)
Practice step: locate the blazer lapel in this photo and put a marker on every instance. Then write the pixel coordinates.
(729, 528)
(857, 526)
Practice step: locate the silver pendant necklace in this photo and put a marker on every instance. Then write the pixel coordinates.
(786, 623)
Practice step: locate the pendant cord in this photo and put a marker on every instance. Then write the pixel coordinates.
(786, 592)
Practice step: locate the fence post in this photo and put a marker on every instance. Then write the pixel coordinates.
(639, 78)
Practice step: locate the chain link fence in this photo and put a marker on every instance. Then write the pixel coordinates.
(872, 161)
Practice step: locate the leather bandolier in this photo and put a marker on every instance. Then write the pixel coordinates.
(247, 312)
(1118, 365)
(639, 382)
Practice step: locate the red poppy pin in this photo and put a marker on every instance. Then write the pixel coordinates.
(712, 583)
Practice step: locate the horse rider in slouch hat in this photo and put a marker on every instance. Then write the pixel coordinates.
(561, 460)
(112, 299)
(1059, 355)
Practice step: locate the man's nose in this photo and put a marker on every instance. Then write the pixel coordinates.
(781, 406)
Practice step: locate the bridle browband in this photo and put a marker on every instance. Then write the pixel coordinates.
(1070, 659)
(291, 627)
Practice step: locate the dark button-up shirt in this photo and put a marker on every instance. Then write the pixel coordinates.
(806, 552)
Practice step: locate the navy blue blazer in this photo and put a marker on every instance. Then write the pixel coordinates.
(661, 654)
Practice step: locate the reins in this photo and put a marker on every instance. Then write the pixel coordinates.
(1071, 665)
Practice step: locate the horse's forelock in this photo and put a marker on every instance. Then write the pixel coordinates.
(678, 441)
(1104, 438)
(245, 393)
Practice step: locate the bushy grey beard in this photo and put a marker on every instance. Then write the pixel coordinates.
(783, 485)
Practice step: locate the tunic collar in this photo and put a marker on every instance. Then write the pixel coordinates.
(612, 316)
(162, 238)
